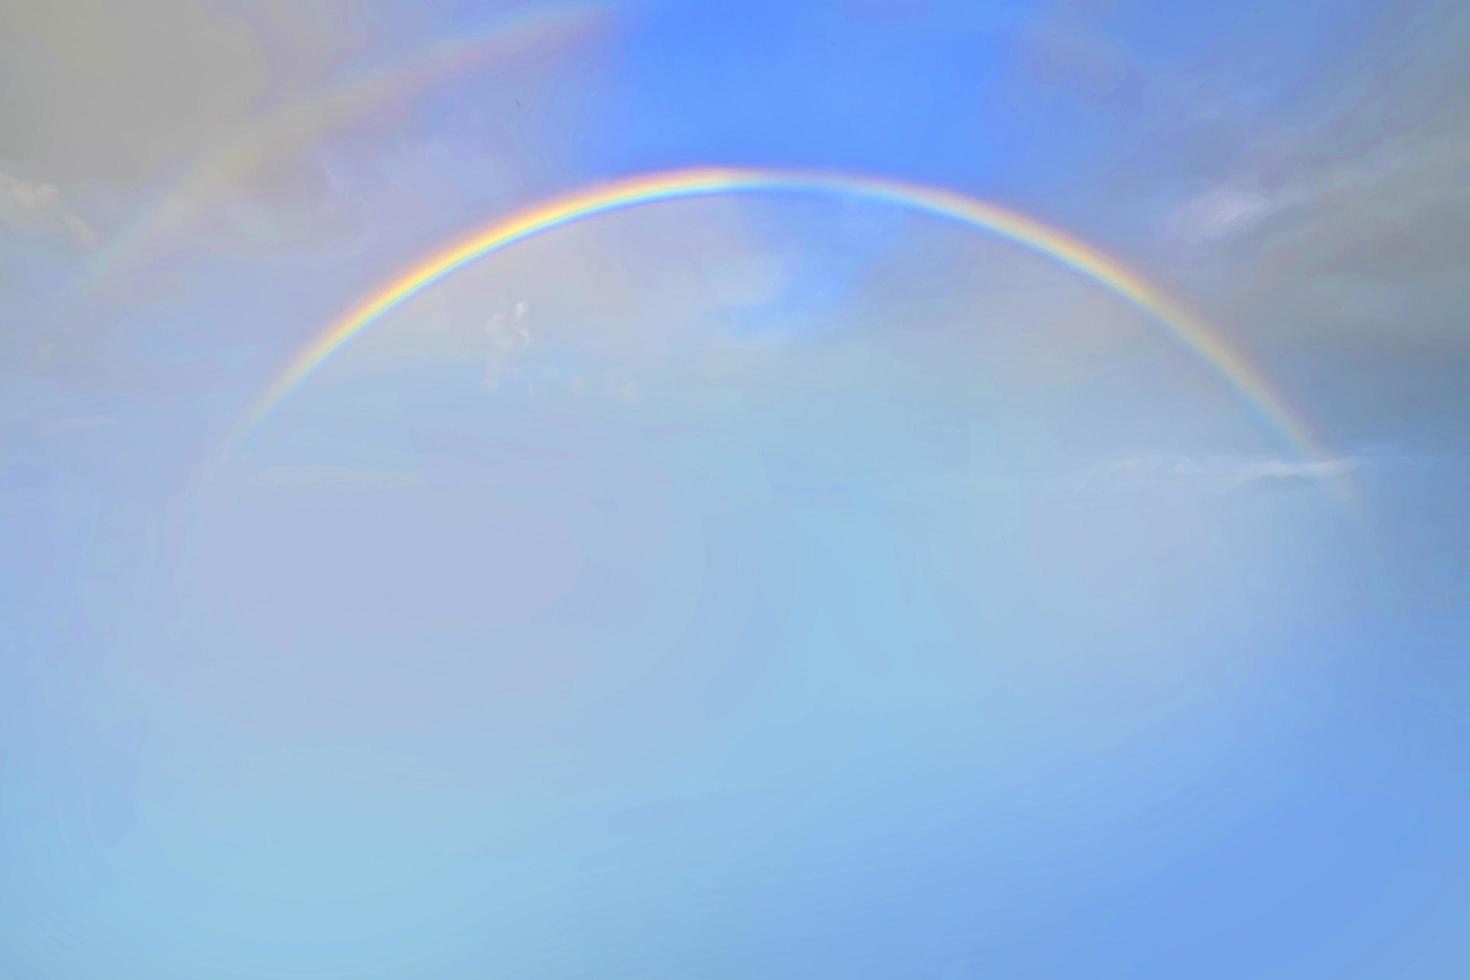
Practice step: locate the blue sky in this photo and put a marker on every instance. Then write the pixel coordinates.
(762, 585)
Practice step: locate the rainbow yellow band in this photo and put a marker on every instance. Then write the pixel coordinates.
(1188, 326)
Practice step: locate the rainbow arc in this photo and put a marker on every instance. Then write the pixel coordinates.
(1186, 325)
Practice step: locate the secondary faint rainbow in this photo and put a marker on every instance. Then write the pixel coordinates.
(1185, 324)
(228, 166)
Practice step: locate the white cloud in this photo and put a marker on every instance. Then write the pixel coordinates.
(508, 334)
(1226, 472)
(38, 208)
(1325, 469)
(1402, 184)
(1145, 473)
(1218, 213)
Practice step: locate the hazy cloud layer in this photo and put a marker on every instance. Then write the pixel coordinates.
(190, 121)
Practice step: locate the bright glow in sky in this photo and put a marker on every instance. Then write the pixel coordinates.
(740, 584)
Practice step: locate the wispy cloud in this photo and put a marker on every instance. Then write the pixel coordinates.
(78, 424)
(307, 476)
(1221, 472)
(38, 208)
(1375, 212)
(1276, 469)
(508, 334)
(1144, 474)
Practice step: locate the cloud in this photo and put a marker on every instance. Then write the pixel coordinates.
(1220, 472)
(279, 179)
(1126, 476)
(79, 424)
(307, 476)
(1355, 172)
(38, 208)
(1217, 213)
(119, 95)
(1326, 469)
(1348, 265)
(1061, 46)
(176, 119)
(1357, 182)
(1388, 210)
(1324, 226)
(507, 335)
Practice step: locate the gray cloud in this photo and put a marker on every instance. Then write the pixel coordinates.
(1359, 189)
(113, 102)
(178, 123)
(1325, 228)
(1392, 210)
(116, 96)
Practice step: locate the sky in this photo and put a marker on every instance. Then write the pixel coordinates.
(781, 582)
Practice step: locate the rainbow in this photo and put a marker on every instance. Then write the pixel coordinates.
(243, 154)
(1185, 324)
